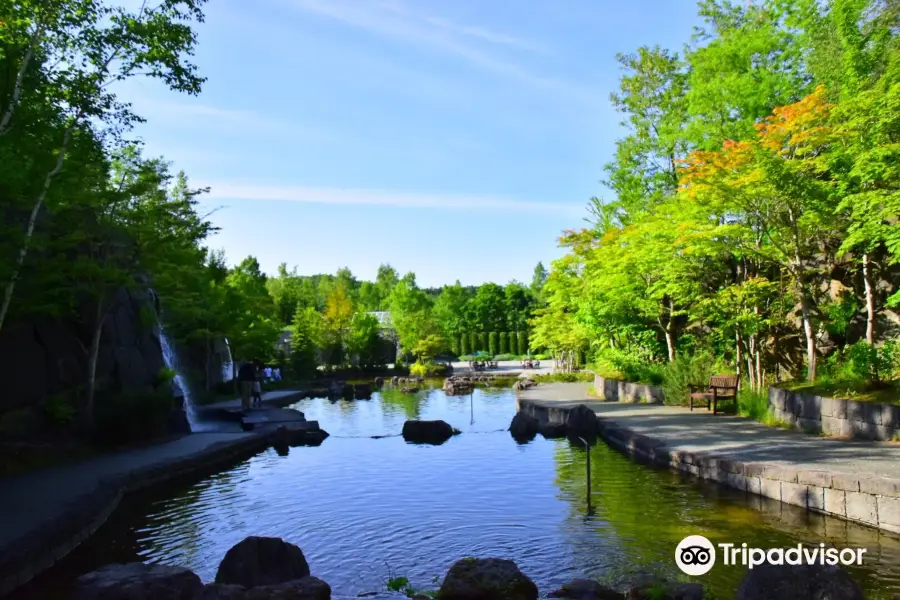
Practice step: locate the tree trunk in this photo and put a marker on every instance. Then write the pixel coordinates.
(738, 355)
(93, 353)
(809, 333)
(870, 300)
(670, 344)
(759, 372)
(32, 220)
(20, 78)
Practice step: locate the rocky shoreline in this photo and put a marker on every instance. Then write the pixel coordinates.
(266, 568)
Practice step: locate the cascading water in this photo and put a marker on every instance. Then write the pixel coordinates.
(171, 360)
(227, 363)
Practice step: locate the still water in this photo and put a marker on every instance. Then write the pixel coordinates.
(363, 508)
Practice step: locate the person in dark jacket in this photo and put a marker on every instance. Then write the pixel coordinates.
(246, 377)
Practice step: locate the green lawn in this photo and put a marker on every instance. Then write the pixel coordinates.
(888, 394)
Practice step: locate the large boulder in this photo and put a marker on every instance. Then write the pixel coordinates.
(307, 434)
(428, 432)
(137, 581)
(524, 383)
(487, 579)
(586, 589)
(552, 430)
(306, 588)
(257, 561)
(666, 591)
(222, 591)
(798, 582)
(523, 427)
(582, 422)
(362, 391)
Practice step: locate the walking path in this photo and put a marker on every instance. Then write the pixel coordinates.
(513, 368)
(34, 507)
(857, 480)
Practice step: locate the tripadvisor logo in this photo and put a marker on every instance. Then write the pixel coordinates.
(696, 555)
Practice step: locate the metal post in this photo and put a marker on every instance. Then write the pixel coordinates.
(587, 450)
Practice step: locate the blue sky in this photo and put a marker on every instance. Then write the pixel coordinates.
(452, 138)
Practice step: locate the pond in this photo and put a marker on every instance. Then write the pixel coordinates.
(362, 509)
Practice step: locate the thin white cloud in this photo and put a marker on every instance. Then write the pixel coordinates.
(363, 197)
(394, 20)
(190, 113)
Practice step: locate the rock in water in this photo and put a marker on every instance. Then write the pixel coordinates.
(666, 591)
(523, 427)
(487, 579)
(798, 582)
(259, 561)
(306, 588)
(362, 391)
(582, 422)
(137, 581)
(552, 430)
(428, 432)
(221, 591)
(586, 589)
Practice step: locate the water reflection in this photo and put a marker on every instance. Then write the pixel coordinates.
(381, 504)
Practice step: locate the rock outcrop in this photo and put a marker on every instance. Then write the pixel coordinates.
(524, 383)
(307, 434)
(261, 561)
(582, 422)
(586, 589)
(523, 427)
(428, 432)
(487, 579)
(137, 581)
(798, 582)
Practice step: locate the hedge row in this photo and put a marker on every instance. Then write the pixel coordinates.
(512, 342)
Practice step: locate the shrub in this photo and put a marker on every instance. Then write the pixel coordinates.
(522, 343)
(504, 343)
(464, 345)
(542, 357)
(863, 365)
(577, 377)
(492, 343)
(506, 357)
(482, 342)
(473, 343)
(687, 370)
(428, 369)
(514, 343)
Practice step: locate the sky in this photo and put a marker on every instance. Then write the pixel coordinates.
(452, 138)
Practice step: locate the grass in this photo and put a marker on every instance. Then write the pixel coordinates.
(889, 393)
(400, 584)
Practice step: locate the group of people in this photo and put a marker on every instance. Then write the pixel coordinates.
(251, 376)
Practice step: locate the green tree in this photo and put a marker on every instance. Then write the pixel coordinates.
(514, 343)
(464, 345)
(492, 343)
(363, 340)
(522, 343)
(307, 339)
(68, 55)
(504, 343)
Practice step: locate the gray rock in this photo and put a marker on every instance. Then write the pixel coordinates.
(428, 432)
(306, 588)
(379, 381)
(523, 427)
(259, 561)
(362, 390)
(586, 589)
(800, 582)
(221, 591)
(137, 581)
(666, 591)
(308, 435)
(487, 579)
(582, 422)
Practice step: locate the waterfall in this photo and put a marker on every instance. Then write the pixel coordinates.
(171, 360)
(227, 363)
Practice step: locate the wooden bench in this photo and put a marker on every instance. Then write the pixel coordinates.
(721, 387)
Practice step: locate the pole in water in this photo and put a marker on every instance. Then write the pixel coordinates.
(587, 451)
(472, 406)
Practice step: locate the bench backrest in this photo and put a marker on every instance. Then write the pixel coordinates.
(724, 381)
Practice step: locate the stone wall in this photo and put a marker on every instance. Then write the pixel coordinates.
(835, 416)
(47, 357)
(614, 390)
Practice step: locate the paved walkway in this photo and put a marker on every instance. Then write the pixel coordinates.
(731, 437)
(28, 501)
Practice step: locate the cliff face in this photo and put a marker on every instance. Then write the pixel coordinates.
(47, 356)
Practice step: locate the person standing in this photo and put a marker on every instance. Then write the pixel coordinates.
(246, 376)
(257, 385)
